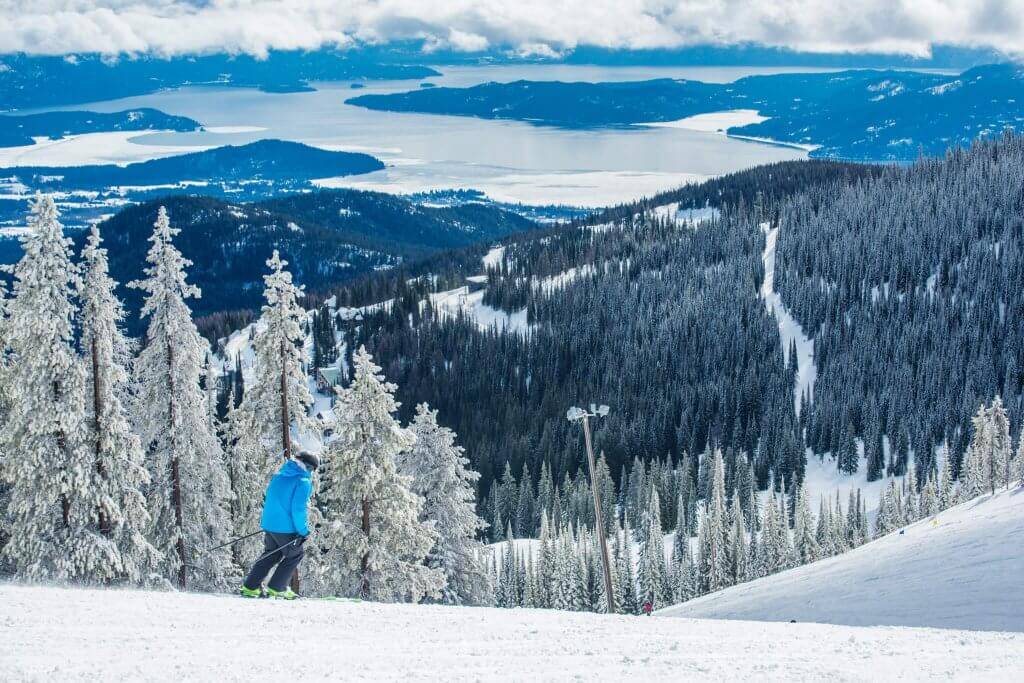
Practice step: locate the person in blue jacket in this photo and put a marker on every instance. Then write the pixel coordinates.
(286, 527)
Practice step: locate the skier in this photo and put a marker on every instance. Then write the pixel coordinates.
(648, 608)
(284, 521)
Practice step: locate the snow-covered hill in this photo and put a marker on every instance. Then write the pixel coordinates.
(69, 634)
(962, 569)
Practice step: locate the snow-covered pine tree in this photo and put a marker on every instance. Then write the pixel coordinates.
(929, 505)
(681, 560)
(189, 495)
(440, 474)
(883, 521)
(804, 541)
(524, 505)
(910, 510)
(651, 573)
(575, 575)
(276, 400)
(545, 494)
(372, 542)
(946, 493)
(739, 559)
(245, 451)
(508, 588)
(626, 601)
(545, 563)
(775, 549)
(115, 484)
(51, 535)
(4, 400)
(713, 569)
(999, 434)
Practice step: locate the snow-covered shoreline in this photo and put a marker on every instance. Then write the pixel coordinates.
(714, 122)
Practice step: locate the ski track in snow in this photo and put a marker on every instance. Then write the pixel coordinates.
(961, 569)
(77, 634)
(789, 328)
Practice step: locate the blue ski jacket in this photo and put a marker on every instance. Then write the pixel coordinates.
(284, 508)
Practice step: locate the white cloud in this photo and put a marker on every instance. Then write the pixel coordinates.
(531, 26)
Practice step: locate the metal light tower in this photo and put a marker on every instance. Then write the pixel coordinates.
(579, 415)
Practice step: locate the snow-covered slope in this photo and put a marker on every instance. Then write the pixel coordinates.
(60, 635)
(963, 569)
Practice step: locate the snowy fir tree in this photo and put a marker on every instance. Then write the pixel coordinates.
(626, 601)
(189, 496)
(53, 533)
(805, 541)
(115, 484)
(713, 565)
(651, 573)
(681, 571)
(276, 399)
(4, 407)
(372, 542)
(439, 473)
(1002, 447)
(739, 559)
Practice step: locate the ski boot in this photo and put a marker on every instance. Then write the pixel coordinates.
(286, 594)
(251, 592)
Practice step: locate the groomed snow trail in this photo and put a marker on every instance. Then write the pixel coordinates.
(75, 634)
(789, 328)
(960, 570)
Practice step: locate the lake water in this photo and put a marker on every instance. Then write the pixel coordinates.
(510, 161)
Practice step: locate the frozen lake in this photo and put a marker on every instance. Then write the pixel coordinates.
(510, 161)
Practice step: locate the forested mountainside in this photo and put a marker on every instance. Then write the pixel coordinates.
(659, 319)
(901, 291)
(328, 237)
(858, 114)
(912, 285)
(19, 130)
(37, 81)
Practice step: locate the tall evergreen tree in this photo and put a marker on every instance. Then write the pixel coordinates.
(651, 572)
(713, 538)
(804, 537)
(275, 400)
(189, 493)
(372, 542)
(440, 474)
(115, 483)
(53, 534)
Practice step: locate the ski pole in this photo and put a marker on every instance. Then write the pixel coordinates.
(233, 541)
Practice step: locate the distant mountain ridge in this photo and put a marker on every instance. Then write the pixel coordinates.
(21, 129)
(39, 81)
(328, 237)
(856, 115)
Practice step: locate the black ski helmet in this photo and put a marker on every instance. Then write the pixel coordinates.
(309, 460)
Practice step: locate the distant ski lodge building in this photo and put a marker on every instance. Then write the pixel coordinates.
(327, 379)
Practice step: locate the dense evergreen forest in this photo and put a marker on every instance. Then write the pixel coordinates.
(905, 278)
(911, 284)
(658, 319)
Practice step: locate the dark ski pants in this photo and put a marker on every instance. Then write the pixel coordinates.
(286, 560)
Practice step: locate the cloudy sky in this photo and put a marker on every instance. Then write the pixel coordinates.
(538, 26)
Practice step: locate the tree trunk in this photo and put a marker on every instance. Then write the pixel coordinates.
(97, 408)
(65, 503)
(179, 517)
(365, 588)
(286, 435)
